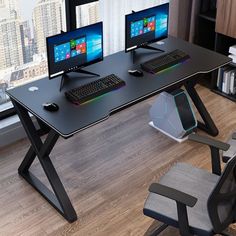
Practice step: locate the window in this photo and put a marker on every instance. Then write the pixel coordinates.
(25, 26)
(23, 31)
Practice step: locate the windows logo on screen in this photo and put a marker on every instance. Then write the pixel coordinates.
(70, 49)
(143, 26)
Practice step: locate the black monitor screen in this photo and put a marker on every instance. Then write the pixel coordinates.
(75, 49)
(146, 26)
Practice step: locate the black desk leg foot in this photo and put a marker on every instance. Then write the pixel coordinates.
(59, 199)
(208, 125)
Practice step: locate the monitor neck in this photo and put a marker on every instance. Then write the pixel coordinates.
(145, 47)
(65, 76)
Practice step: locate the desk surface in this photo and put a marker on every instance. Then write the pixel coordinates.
(71, 118)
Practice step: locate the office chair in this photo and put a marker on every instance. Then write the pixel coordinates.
(231, 152)
(194, 200)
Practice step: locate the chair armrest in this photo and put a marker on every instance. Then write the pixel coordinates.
(209, 141)
(225, 159)
(173, 194)
(182, 201)
(215, 146)
(234, 136)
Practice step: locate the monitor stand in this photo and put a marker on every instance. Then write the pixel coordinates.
(145, 47)
(152, 48)
(65, 76)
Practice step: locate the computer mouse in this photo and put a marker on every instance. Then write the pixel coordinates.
(50, 106)
(137, 73)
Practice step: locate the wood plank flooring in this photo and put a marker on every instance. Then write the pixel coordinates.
(106, 171)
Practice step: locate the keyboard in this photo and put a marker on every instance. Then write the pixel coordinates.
(165, 61)
(94, 89)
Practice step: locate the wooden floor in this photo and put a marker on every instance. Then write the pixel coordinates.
(106, 171)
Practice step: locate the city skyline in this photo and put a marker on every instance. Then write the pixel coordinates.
(47, 21)
(22, 40)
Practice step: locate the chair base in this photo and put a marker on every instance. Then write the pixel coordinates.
(155, 230)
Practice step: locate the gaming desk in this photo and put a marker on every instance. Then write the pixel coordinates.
(70, 119)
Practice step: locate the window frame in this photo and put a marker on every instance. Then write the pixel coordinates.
(11, 111)
(70, 12)
(7, 113)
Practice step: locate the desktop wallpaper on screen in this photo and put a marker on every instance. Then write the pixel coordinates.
(146, 26)
(74, 49)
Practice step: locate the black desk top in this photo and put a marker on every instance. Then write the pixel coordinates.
(70, 118)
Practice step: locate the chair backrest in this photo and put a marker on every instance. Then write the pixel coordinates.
(221, 203)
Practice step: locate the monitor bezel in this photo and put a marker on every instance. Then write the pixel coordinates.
(74, 67)
(150, 41)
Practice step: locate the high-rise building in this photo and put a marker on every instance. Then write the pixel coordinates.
(87, 14)
(27, 42)
(47, 21)
(10, 43)
(10, 37)
(2, 3)
(12, 6)
(27, 29)
(4, 11)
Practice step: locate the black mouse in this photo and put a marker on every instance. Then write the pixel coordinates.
(137, 73)
(50, 106)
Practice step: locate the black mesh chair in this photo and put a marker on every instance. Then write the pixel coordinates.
(194, 200)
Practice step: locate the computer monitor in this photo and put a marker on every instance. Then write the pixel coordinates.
(146, 26)
(71, 51)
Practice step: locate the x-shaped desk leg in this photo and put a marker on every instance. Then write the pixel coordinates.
(60, 200)
(208, 125)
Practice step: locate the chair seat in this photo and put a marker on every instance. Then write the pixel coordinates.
(188, 179)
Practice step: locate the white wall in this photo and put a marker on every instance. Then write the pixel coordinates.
(112, 14)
